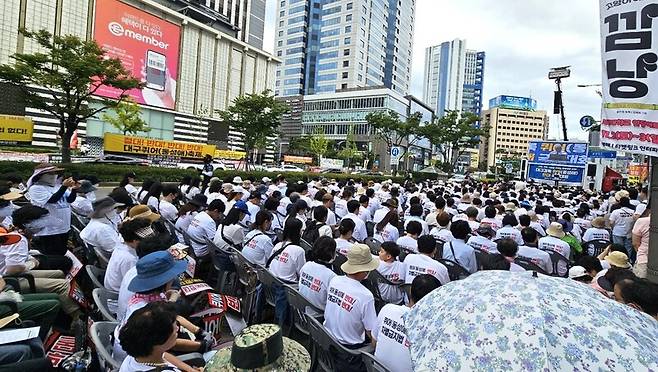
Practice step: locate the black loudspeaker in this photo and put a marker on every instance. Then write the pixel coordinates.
(557, 102)
(591, 170)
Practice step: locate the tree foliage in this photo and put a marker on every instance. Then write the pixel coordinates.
(257, 117)
(389, 128)
(318, 143)
(127, 118)
(70, 70)
(350, 152)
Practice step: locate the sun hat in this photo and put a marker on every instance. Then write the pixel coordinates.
(466, 198)
(598, 222)
(199, 200)
(618, 259)
(261, 347)
(266, 179)
(242, 206)
(237, 180)
(567, 226)
(391, 203)
(555, 230)
(102, 206)
(621, 194)
(85, 187)
(8, 194)
(577, 272)
(227, 188)
(43, 168)
(359, 259)
(7, 238)
(145, 232)
(510, 207)
(238, 190)
(143, 211)
(155, 270)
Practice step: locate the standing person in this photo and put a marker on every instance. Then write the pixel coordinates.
(641, 242)
(317, 272)
(621, 221)
(257, 245)
(102, 231)
(46, 191)
(206, 172)
(84, 199)
(166, 208)
(127, 183)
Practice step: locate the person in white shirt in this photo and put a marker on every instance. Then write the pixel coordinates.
(127, 184)
(317, 272)
(253, 205)
(509, 230)
(457, 250)
(344, 242)
(410, 240)
(341, 204)
(621, 221)
(360, 232)
(204, 226)
(166, 208)
(530, 251)
(102, 231)
(553, 242)
(349, 315)
(442, 231)
(392, 345)
(328, 202)
(257, 245)
(391, 205)
(393, 270)
(482, 241)
(364, 211)
(535, 224)
(439, 205)
(416, 214)
(597, 231)
(318, 226)
(424, 262)
(386, 229)
(193, 189)
(124, 256)
(187, 213)
(373, 203)
(83, 202)
(490, 218)
(509, 249)
(152, 197)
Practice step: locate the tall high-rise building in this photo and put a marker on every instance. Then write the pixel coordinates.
(327, 46)
(473, 82)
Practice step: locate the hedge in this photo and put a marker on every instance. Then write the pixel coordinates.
(114, 173)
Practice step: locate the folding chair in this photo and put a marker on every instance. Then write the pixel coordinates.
(102, 298)
(279, 234)
(595, 247)
(101, 336)
(438, 254)
(455, 270)
(300, 309)
(374, 282)
(97, 276)
(527, 264)
(102, 256)
(370, 228)
(373, 244)
(373, 364)
(305, 245)
(224, 267)
(480, 257)
(326, 347)
(561, 264)
(404, 252)
(247, 274)
(338, 261)
(78, 221)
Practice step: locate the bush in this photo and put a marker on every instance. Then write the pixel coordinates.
(114, 173)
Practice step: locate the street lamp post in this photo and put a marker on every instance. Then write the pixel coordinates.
(557, 74)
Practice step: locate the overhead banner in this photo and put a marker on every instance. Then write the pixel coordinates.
(230, 155)
(538, 172)
(329, 163)
(15, 129)
(297, 159)
(149, 146)
(629, 41)
(147, 45)
(555, 152)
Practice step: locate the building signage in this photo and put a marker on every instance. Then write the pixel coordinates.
(514, 103)
(599, 153)
(629, 41)
(297, 159)
(151, 146)
(15, 129)
(230, 155)
(147, 45)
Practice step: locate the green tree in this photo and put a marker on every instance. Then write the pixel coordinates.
(70, 70)
(350, 152)
(395, 132)
(127, 118)
(318, 143)
(257, 117)
(454, 133)
(300, 145)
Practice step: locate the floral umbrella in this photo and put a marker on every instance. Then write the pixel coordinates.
(502, 321)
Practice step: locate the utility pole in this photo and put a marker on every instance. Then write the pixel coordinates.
(557, 74)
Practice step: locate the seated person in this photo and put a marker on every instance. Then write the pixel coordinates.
(457, 250)
(393, 270)
(442, 231)
(102, 231)
(424, 262)
(124, 257)
(530, 251)
(640, 294)
(508, 249)
(410, 240)
(83, 201)
(317, 272)
(257, 244)
(42, 308)
(483, 239)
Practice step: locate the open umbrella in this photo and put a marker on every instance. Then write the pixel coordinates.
(503, 321)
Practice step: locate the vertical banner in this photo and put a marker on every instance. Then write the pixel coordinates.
(629, 42)
(147, 45)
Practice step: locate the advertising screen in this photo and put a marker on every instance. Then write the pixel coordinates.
(148, 47)
(553, 173)
(513, 102)
(567, 153)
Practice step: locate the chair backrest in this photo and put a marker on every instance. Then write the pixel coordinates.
(373, 364)
(79, 221)
(595, 247)
(102, 256)
(480, 257)
(221, 259)
(326, 346)
(101, 336)
(561, 264)
(455, 270)
(338, 261)
(404, 252)
(374, 282)
(102, 298)
(97, 275)
(305, 245)
(370, 228)
(528, 264)
(439, 249)
(247, 272)
(300, 305)
(279, 234)
(373, 244)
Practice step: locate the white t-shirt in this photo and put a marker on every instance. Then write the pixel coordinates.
(417, 264)
(595, 233)
(343, 246)
(340, 208)
(288, 265)
(483, 244)
(202, 226)
(101, 233)
(59, 213)
(314, 279)
(231, 235)
(392, 343)
(256, 247)
(380, 214)
(395, 272)
(409, 243)
(131, 190)
(82, 206)
(623, 221)
(168, 211)
(360, 232)
(388, 234)
(124, 293)
(153, 202)
(582, 223)
(537, 256)
(422, 222)
(253, 210)
(509, 232)
(493, 222)
(123, 258)
(183, 222)
(551, 243)
(538, 228)
(15, 254)
(442, 233)
(350, 310)
(130, 364)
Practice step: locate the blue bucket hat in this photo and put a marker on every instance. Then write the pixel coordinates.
(155, 270)
(242, 206)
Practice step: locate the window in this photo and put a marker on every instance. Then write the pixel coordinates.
(348, 18)
(346, 75)
(280, 23)
(349, 6)
(282, 13)
(279, 43)
(346, 63)
(343, 86)
(348, 29)
(346, 52)
(347, 41)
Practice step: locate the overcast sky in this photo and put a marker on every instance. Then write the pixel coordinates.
(522, 39)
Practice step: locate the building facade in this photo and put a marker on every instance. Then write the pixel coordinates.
(211, 68)
(473, 83)
(328, 46)
(514, 122)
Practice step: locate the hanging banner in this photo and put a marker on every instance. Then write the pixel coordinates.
(150, 146)
(629, 40)
(297, 159)
(230, 155)
(15, 129)
(550, 173)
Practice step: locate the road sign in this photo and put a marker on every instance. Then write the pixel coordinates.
(599, 153)
(587, 121)
(395, 155)
(559, 73)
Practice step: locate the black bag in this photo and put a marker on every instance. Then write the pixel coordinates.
(312, 232)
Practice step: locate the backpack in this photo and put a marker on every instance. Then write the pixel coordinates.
(312, 232)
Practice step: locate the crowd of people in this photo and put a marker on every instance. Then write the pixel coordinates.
(323, 237)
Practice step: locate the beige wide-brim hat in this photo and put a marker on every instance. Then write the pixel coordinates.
(556, 230)
(599, 222)
(142, 211)
(359, 259)
(618, 259)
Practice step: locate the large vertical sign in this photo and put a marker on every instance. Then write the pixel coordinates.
(148, 47)
(553, 161)
(629, 43)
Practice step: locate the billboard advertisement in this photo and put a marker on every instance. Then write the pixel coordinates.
(514, 102)
(148, 47)
(629, 40)
(539, 172)
(566, 153)
(15, 129)
(156, 147)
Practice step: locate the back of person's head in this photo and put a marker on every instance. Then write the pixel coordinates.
(129, 230)
(422, 285)
(625, 202)
(391, 248)
(590, 263)
(363, 199)
(471, 212)
(261, 217)
(524, 220)
(460, 229)
(496, 262)
(450, 202)
(346, 225)
(510, 220)
(217, 205)
(153, 244)
(507, 247)
(414, 228)
(443, 219)
(320, 213)
(26, 214)
(370, 192)
(148, 327)
(490, 212)
(416, 210)
(271, 204)
(440, 203)
(323, 251)
(641, 294)
(353, 206)
(169, 188)
(292, 231)
(529, 235)
(426, 244)
(232, 217)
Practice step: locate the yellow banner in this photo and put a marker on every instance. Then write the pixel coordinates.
(16, 128)
(151, 146)
(230, 155)
(297, 159)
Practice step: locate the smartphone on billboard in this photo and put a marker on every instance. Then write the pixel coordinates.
(156, 64)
